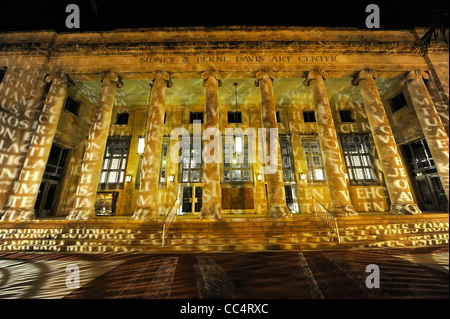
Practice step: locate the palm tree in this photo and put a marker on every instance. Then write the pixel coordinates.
(436, 31)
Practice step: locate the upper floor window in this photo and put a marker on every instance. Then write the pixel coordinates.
(398, 102)
(346, 116)
(234, 117)
(122, 118)
(72, 106)
(2, 73)
(196, 116)
(309, 116)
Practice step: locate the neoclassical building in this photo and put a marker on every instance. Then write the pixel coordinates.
(119, 122)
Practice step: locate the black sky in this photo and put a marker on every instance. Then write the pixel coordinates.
(51, 15)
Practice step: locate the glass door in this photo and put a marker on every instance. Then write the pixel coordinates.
(191, 199)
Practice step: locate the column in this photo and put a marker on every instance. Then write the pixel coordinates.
(431, 124)
(22, 96)
(86, 190)
(341, 204)
(149, 188)
(276, 196)
(395, 175)
(211, 191)
(22, 200)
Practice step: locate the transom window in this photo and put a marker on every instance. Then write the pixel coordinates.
(114, 163)
(236, 165)
(314, 161)
(358, 158)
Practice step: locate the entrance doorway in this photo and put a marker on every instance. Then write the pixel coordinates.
(47, 196)
(191, 198)
(425, 179)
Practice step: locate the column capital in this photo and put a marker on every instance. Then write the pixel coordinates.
(163, 75)
(261, 74)
(363, 75)
(61, 77)
(313, 74)
(417, 73)
(212, 72)
(414, 74)
(112, 78)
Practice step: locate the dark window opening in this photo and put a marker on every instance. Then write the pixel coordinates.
(122, 118)
(278, 117)
(196, 116)
(2, 73)
(398, 102)
(346, 116)
(234, 117)
(309, 116)
(72, 106)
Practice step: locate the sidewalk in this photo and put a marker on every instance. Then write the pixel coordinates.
(404, 273)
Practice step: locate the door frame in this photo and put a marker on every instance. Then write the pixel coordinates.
(194, 199)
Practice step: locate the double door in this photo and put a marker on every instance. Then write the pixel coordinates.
(190, 198)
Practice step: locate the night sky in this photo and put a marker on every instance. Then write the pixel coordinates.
(51, 15)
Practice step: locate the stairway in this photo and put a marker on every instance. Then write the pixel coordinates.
(231, 234)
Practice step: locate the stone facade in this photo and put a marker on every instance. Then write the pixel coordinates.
(160, 79)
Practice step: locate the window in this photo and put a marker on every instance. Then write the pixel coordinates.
(234, 117)
(122, 118)
(191, 166)
(278, 117)
(72, 106)
(114, 163)
(2, 73)
(196, 116)
(236, 164)
(287, 161)
(314, 161)
(309, 116)
(398, 102)
(55, 163)
(358, 158)
(163, 164)
(346, 116)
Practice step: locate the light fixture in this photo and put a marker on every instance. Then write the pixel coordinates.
(238, 144)
(171, 178)
(141, 145)
(259, 177)
(128, 178)
(302, 176)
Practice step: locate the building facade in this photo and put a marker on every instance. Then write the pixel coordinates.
(239, 120)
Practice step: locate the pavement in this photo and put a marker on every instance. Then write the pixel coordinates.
(201, 278)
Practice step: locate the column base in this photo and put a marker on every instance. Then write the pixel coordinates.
(147, 213)
(210, 213)
(80, 214)
(279, 211)
(11, 214)
(405, 209)
(347, 210)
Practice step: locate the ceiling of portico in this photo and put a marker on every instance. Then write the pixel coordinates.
(190, 92)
